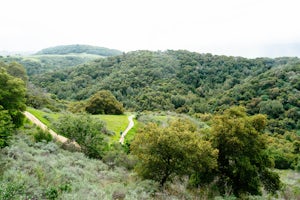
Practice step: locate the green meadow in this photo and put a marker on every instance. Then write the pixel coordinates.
(114, 123)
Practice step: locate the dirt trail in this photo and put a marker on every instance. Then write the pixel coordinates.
(130, 125)
(57, 137)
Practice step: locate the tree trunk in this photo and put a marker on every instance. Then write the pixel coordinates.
(164, 179)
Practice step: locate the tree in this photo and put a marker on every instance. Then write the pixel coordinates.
(12, 96)
(6, 127)
(242, 161)
(17, 70)
(86, 131)
(175, 150)
(103, 102)
(273, 108)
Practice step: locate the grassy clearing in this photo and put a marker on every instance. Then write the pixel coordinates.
(115, 123)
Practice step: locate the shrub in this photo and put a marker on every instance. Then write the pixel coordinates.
(42, 135)
(86, 131)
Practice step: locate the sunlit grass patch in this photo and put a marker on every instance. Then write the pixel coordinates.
(115, 123)
(47, 117)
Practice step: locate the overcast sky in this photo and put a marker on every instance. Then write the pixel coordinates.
(248, 28)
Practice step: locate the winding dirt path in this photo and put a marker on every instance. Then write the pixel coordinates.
(130, 125)
(57, 137)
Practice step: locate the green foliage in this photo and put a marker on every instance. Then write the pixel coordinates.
(12, 96)
(6, 127)
(86, 131)
(103, 102)
(47, 118)
(9, 190)
(12, 100)
(281, 148)
(17, 70)
(273, 108)
(38, 98)
(242, 161)
(175, 150)
(187, 82)
(41, 135)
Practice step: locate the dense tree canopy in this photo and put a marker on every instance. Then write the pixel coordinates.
(187, 82)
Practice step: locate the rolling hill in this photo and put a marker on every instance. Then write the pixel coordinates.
(151, 83)
(78, 49)
(186, 82)
(60, 57)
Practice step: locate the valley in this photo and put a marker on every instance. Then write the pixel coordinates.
(150, 125)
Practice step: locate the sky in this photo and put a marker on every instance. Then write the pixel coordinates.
(249, 28)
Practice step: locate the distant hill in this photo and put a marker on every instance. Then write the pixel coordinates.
(79, 49)
(59, 57)
(38, 64)
(187, 82)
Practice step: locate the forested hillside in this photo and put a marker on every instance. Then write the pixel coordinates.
(188, 82)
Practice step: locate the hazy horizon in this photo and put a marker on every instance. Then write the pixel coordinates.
(249, 28)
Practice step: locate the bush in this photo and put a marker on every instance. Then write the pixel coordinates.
(42, 135)
(87, 131)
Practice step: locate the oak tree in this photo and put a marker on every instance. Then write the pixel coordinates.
(103, 102)
(243, 165)
(175, 150)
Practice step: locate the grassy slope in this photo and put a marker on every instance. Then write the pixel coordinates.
(115, 123)
(44, 117)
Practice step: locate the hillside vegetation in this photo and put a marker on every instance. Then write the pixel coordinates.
(43, 170)
(188, 82)
(208, 127)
